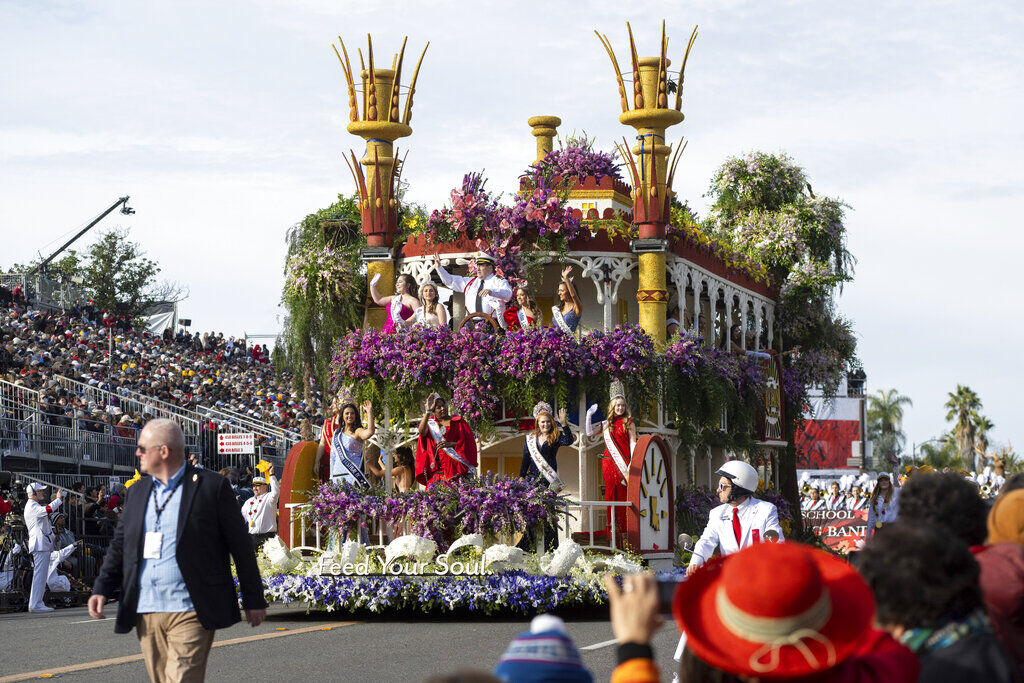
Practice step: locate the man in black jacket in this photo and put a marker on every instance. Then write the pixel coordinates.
(170, 558)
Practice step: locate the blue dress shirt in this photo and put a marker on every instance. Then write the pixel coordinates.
(161, 585)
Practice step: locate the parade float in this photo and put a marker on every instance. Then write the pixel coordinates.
(660, 299)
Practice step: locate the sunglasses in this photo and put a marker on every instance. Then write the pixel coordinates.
(724, 487)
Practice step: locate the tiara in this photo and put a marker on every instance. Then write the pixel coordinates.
(541, 407)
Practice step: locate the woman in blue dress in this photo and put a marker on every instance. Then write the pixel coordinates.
(566, 314)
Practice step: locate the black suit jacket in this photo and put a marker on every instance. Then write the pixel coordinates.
(210, 529)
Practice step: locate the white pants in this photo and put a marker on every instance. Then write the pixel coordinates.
(40, 570)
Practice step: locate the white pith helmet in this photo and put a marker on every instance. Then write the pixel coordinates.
(739, 473)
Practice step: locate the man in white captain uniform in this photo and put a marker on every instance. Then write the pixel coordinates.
(40, 541)
(740, 521)
(260, 511)
(485, 292)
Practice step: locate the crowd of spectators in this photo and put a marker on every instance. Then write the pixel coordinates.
(186, 370)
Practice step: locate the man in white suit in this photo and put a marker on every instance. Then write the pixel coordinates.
(741, 520)
(40, 541)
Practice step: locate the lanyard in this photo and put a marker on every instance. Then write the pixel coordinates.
(157, 507)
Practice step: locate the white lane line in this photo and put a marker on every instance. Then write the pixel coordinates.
(598, 646)
(89, 621)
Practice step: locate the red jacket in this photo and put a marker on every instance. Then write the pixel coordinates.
(1002, 585)
(433, 466)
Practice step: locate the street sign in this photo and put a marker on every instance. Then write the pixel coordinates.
(236, 442)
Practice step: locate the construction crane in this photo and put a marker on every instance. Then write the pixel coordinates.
(125, 209)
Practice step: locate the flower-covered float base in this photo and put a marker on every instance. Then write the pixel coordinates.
(499, 579)
(510, 592)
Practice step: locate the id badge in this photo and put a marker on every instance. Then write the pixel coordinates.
(151, 546)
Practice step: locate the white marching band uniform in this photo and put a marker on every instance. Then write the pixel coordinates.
(492, 304)
(811, 504)
(260, 512)
(835, 501)
(860, 503)
(40, 544)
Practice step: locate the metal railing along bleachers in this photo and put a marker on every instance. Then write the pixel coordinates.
(26, 432)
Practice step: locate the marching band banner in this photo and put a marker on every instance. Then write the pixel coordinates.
(839, 529)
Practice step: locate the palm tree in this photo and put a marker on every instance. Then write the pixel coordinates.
(960, 405)
(885, 421)
(982, 426)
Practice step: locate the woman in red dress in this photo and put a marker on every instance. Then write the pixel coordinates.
(525, 313)
(619, 433)
(446, 448)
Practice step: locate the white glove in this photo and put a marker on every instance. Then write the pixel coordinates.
(374, 280)
(592, 409)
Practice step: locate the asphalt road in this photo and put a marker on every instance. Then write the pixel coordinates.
(292, 644)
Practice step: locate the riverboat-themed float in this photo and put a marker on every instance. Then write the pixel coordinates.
(677, 326)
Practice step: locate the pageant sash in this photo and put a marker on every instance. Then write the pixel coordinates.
(396, 311)
(338, 445)
(556, 315)
(617, 457)
(555, 482)
(523, 322)
(435, 431)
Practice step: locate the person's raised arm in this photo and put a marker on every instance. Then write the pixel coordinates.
(566, 438)
(576, 303)
(377, 298)
(422, 428)
(366, 432)
(275, 487)
(589, 428)
(452, 281)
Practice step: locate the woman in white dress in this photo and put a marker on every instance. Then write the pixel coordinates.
(431, 313)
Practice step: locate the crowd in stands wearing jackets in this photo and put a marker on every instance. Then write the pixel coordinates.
(185, 370)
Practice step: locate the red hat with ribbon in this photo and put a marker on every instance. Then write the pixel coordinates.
(774, 611)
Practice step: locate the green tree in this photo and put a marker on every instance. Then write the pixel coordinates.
(118, 275)
(941, 454)
(763, 208)
(69, 265)
(323, 291)
(885, 421)
(961, 404)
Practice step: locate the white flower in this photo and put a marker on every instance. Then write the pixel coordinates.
(416, 547)
(562, 560)
(467, 541)
(351, 551)
(280, 557)
(617, 563)
(504, 557)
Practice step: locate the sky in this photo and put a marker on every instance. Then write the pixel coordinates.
(225, 122)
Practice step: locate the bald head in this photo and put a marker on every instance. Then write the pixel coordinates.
(161, 449)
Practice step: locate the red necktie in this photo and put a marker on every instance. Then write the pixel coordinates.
(736, 529)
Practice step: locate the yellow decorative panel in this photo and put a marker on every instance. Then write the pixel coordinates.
(489, 464)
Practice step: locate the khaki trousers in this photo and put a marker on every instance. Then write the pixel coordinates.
(175, 646)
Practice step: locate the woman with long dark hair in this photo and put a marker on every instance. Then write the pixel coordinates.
(884, 506)
(342, 441)
(401, 306)
(446, 448)
(566, 314)
(620, 438)
(525, 313)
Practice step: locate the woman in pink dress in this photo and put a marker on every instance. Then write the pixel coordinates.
(401, 306)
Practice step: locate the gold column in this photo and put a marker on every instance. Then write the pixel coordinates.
(652, 295)
(544, 129)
